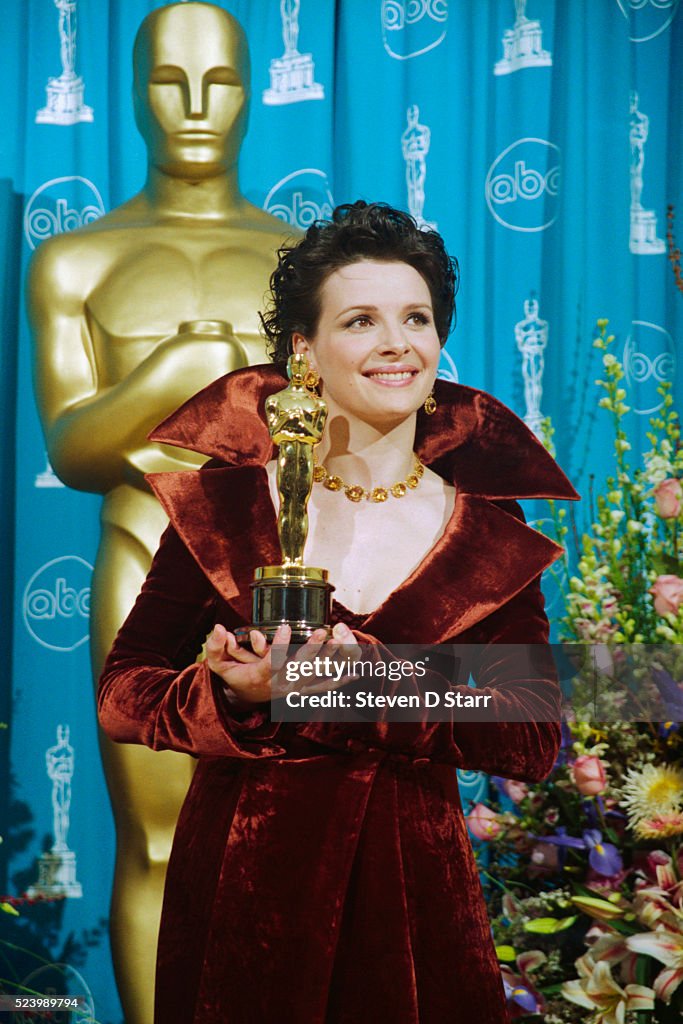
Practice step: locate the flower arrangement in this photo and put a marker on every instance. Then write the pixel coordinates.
(587, 894)
(585, 870)
(629, 583)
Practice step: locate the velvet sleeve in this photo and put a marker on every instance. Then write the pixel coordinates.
(152, 690)
(515, 666)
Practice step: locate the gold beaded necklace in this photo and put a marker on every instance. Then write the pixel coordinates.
(354, 492)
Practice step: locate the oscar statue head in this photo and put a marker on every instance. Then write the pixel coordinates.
(191, 89)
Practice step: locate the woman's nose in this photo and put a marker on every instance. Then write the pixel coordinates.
(394, 339)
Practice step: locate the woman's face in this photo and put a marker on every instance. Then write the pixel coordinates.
(376, 347)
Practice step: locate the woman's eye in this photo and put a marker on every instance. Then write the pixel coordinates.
(359, 321)
(420, 318)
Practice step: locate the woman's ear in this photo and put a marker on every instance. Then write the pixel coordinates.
(300, 344)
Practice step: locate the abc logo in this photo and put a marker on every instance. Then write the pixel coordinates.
(413, 27)
(62, 978)
(523, 185)
(56, 603)
(61, 205)
(647, 18)
(649, 360)
(301, 198)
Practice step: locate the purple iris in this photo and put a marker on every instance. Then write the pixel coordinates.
(604, 858)
(520, 995)
(671, 693)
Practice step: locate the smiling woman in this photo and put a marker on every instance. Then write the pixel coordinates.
(321, 871)
(370, 299)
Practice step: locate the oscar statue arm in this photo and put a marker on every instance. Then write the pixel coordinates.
(92, 427)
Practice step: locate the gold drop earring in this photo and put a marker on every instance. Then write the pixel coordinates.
(430, 403)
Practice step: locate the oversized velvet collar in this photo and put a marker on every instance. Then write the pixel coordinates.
(225, 516)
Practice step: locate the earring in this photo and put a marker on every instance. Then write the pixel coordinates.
(430, 403)
(311, 381)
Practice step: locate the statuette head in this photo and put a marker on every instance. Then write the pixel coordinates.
(297, 368)
(191, 89)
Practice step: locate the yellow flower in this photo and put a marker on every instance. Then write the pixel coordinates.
(652, 791)
(659, 827)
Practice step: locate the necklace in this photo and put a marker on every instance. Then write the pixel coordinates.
(354, 492)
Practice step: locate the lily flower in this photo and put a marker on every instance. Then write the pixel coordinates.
(611, 947)
(666, 945)
(661, 878)
(602, 910)
(651, 905)
(597, 990)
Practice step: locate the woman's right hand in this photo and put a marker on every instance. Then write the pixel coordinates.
(248, 674)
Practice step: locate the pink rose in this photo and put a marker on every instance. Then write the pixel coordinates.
(668, 594)
(668, 498)
(483, 822)
(589, 775)
(517, 791)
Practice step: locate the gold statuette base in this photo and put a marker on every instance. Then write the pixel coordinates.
(296, 594)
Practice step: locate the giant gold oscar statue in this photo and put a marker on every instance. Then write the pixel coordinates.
(111, 361)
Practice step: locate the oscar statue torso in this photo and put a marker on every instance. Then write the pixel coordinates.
(296, 420)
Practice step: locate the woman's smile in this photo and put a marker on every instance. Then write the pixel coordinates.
(392, 376)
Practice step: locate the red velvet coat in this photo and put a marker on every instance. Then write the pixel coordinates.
(323, 872)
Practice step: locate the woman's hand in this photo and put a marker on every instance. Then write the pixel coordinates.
(248, 674)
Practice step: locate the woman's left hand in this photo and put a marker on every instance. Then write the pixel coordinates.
(249, 675)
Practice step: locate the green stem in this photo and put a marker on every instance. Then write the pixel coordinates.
(643, 978)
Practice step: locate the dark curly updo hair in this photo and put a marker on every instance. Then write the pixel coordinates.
(357, 231)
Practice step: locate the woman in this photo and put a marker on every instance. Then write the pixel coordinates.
(322, 872)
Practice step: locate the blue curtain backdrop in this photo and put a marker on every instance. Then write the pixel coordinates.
(543, 139)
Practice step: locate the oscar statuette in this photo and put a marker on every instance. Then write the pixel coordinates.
(297, 594)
